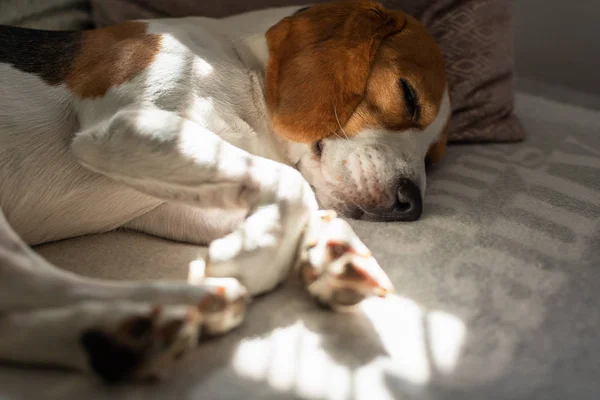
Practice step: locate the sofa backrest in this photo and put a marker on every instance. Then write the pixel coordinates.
(557, 42)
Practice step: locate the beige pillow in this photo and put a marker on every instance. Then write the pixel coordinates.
(474, 35)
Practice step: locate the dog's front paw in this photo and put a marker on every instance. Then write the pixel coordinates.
(336, 266)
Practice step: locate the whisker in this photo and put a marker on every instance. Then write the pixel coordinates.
(332, 131)
(338, 121)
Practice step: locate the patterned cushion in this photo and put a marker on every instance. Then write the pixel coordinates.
(474, 35)
(476, 39)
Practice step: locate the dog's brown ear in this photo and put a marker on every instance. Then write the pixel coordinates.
(437, 150)
(319, 63)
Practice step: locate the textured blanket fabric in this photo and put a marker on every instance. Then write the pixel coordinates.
(498, 292)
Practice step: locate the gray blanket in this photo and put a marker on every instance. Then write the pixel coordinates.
(498, 292)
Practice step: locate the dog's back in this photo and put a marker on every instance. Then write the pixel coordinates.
(44, 193)
(33, 64)
(54, 84)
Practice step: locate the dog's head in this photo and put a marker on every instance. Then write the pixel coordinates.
(365, 89)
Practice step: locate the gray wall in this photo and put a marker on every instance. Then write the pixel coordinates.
(557, 42)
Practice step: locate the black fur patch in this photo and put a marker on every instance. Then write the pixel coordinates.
(112, 361)
(48, 54)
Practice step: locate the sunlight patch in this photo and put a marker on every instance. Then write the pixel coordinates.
(291, 359)
(446, 337)
(400, 325)
(202, 67)
(417, 340)
(418, 344)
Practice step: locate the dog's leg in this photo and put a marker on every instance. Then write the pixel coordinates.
(184, 223)
(162, 154)
(28, 281)
(333, 263)
(118, 341)
(45, 313)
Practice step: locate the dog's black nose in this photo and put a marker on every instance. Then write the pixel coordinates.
(409, 203)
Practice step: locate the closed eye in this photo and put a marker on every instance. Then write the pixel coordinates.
(411, 100)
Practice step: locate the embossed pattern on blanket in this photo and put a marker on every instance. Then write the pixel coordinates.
(497, 291)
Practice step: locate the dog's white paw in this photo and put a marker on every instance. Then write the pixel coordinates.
(223, 306)
(336, 266)
(140, 343)
(225, 309)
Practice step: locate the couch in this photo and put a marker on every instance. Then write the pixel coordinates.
(498, 283)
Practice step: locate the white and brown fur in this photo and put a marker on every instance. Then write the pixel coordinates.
(180, 128)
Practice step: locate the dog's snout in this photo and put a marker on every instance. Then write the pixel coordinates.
(409, 203)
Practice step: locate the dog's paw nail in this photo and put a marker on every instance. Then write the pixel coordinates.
(327, 215)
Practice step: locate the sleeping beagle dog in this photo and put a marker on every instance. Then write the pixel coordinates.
(249, 134)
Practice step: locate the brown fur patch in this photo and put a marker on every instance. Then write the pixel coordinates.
(336, 250)
(111, 56)
(212, 303)
(308, 273)
(338, 66)
(437, 150)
